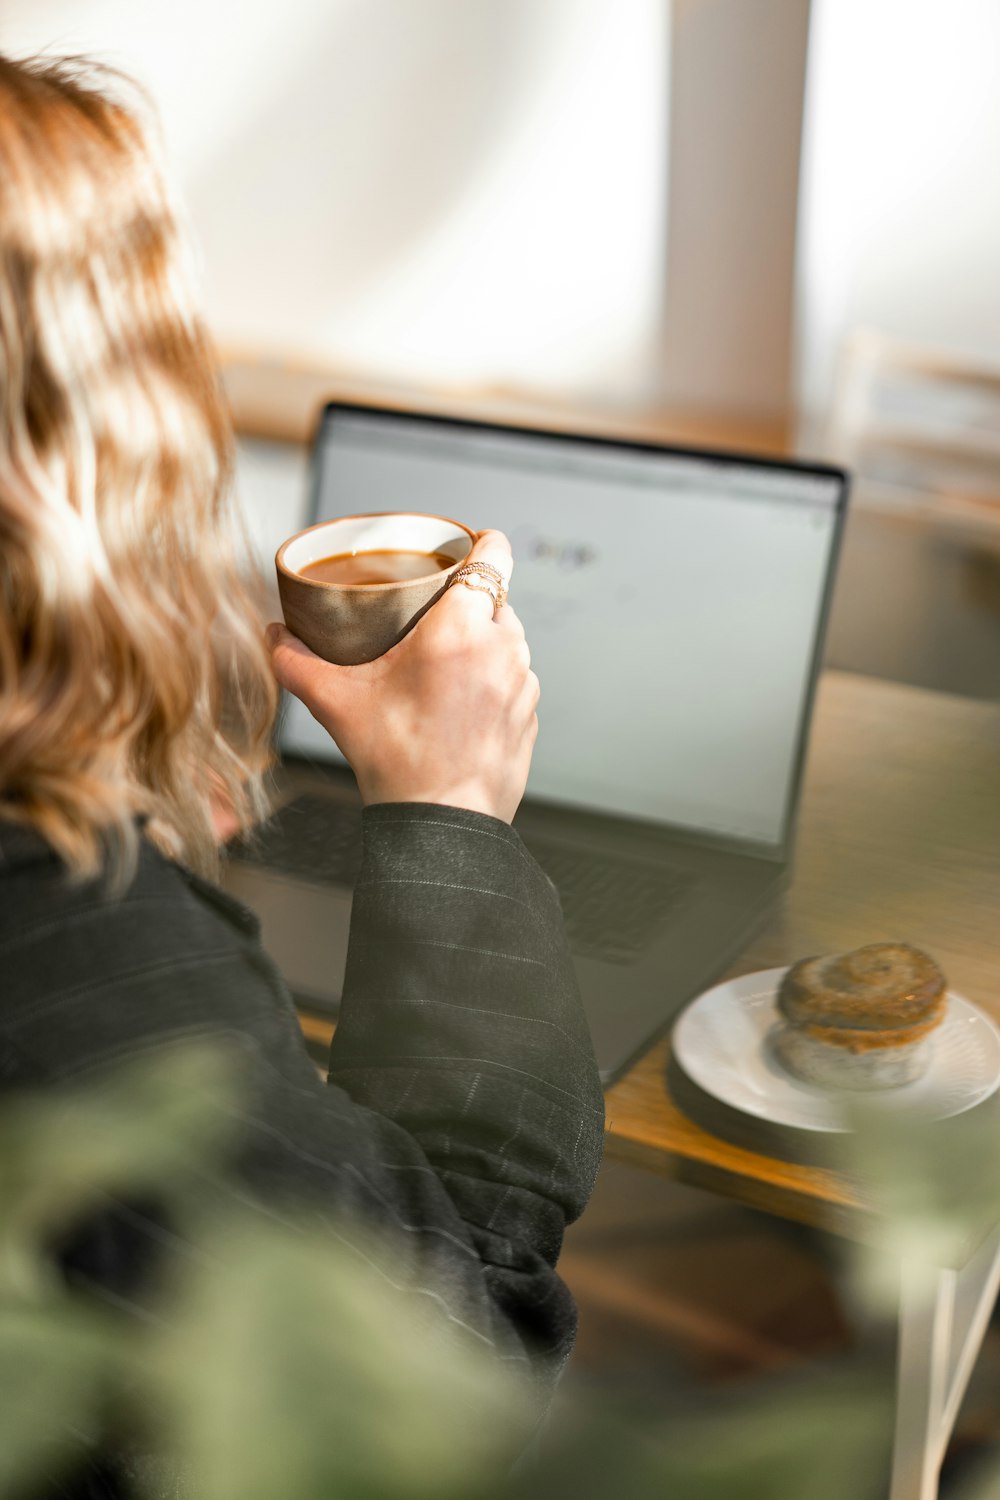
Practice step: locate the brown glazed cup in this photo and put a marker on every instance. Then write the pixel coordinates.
(350, 623)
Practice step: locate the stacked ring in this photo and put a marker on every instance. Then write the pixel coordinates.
(485, 579)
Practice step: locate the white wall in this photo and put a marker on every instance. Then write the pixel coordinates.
(900, 208)
(441, 190)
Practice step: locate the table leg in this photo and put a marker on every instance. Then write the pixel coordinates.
(942, 1319)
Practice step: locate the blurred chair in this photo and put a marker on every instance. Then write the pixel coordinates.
(918, 596)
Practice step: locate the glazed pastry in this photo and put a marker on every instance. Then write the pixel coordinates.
(860, 1020)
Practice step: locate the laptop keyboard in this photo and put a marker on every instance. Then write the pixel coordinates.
(613, 907)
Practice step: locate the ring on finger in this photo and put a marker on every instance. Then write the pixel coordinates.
(483, 588)
(486, 579)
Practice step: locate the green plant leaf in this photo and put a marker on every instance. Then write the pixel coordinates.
(934, 1187)
(824, 1440)
(131, 1128)
(298, 1370)
(56, 1365)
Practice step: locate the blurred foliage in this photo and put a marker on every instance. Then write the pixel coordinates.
(826, 1439)
(56, 1366)
(297, 1369)
(65, 1153)
(287, 1365)
(934, 1187)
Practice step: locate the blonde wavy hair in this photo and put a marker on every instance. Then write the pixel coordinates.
(134, 683)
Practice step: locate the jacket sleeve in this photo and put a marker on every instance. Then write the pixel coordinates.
(462, 1121)
(461, 1023)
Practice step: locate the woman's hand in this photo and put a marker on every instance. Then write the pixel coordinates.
(447, 716)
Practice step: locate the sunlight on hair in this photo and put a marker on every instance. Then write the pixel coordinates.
(133, 676)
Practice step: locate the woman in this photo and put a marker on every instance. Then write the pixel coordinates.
(463, 1117)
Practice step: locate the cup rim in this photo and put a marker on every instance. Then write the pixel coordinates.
(367, 515)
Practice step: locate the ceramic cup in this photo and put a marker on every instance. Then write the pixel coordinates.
(350, 623)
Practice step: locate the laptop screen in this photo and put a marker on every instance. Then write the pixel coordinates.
(671, 602)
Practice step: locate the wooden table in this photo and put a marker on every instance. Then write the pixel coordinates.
(899, 838)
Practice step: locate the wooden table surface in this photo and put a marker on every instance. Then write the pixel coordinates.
(899, 838)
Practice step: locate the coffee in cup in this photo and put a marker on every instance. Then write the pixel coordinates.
(351, 588)
(388, 565)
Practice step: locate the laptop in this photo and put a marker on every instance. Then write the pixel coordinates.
(675, 603)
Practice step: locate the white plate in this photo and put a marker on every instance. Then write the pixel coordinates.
(721, 1042)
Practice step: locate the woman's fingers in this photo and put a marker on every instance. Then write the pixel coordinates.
(493, 547)
(473, 602)
(292, 663)
(510, 622)
(319, 684)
